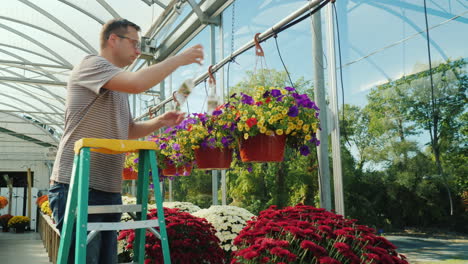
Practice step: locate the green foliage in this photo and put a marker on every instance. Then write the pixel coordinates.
(394, 182)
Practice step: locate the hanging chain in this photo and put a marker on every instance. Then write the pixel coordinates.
(232, 46)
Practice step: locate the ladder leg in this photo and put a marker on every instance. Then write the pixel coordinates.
(82, 213)
(142, 198)
(159, 205)
(69, 219)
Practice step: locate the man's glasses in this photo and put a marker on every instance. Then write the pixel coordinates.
(136, 42)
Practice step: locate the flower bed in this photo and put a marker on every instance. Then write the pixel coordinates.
(304, 234)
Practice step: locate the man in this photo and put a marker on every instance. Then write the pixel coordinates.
(97, 107)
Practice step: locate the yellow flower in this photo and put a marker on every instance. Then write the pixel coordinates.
(288, 131)
(246, 136)
(263, 130)
(279, 132)
(269, 133)
(240, 126)
(244, 118)
(308, 137)
(306, 128)
(301, 122)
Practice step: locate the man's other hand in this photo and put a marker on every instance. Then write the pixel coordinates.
(172, 118)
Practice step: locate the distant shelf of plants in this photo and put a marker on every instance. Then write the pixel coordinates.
(254, 126)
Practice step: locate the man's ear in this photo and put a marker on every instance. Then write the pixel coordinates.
(112, 40)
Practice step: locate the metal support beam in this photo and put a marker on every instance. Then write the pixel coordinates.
(202, 16)
(32, 81)
(21, 63)
(319, 92)
(83, 11)
(109, 8)
(189, 28)
(335, 133)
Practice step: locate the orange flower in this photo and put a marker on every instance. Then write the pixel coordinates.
(42, 199)
(3, 202)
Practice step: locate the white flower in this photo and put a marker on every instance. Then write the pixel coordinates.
(228, 222)
(182, 206)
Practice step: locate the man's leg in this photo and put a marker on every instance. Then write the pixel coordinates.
(103, 248)
(58, 194)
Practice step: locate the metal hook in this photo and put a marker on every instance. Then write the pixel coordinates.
(258, 48)
(211, 79)
(175, 99)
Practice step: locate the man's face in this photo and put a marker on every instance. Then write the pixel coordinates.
(129, 46)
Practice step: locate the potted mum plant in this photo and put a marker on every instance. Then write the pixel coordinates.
(304, 234)
(228, 222)
(270, 118)
(4, 222)
(212, 138)
(19, 223)
(191, 240)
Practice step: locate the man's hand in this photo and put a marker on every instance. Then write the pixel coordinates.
(171, 118)
(191, 55)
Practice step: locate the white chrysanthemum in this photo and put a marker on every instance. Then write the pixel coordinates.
(182, 206)
(228, 221)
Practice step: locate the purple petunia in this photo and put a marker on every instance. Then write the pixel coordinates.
(293, 111)
(247, 99)
(176, 147)
(250, 169)
(136, 160)
(275, 92)
(217, 112)
(225, 141)
(266, 94)
(290, 89)
(163, 146)
(304, 149)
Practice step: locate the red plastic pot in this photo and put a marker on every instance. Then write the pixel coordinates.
(213, 158)
(129, 174)
(262, 148)
(172, 170)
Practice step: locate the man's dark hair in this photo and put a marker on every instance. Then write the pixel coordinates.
(117, 26)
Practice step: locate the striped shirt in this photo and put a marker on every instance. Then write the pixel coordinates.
(92, 111)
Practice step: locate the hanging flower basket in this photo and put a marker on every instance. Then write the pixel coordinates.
(262, 148)
(129, 174)
(213, 158)
(172, 170)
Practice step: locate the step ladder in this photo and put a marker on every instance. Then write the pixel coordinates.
(77, 202)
